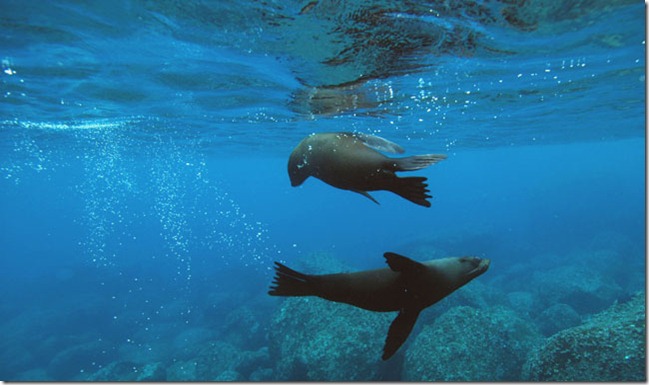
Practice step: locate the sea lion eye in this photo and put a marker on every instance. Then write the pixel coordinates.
(472, 260)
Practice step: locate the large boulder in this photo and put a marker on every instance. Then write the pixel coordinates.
(316, 340)
(73, 362)
(468, 344)
(476, 295)
(588, 280)
(556, 318)
(609, 347)
(186, 342)
(219, 361)
(129, 371)
(243, 327)
(583, 288)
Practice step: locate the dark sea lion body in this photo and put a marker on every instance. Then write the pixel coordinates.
(406, 286)
(350, 161)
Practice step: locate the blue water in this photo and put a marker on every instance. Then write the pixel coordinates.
(143, 151)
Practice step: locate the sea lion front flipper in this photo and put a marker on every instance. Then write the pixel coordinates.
(402, 264)
(399, 331)
(378, 143)
(366, 194)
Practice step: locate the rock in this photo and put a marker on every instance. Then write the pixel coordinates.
(476, 295)
(182, 371)
(15, 359)
(318, 340)
(521, 301)
(219, 361)
(73, 362)
(589, 280)
(584, 289)
(242, 328)
(467, 344)
(210, 362)
(115, 371)
(129, 371)
(228, 375)
(252, 361)
(188, 341)
(608, 347)
(154, 371)
(32, 375)
(264, 374)
(556, 318)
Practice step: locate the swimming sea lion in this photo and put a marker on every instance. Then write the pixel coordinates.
(407, 286)
(350, 161)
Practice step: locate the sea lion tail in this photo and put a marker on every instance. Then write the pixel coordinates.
(412, 188)
(417, 162)
(289, 283)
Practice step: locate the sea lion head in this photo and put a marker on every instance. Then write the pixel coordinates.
(458, 271)
(298, 166)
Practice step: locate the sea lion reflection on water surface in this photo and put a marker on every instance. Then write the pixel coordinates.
(350, 161)
(407, 286)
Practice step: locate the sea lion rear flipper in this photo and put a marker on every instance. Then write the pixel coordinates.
(378, 143)
(416, 162)
(411, 188)
(367, 195)
(399, 331)
(288, 282)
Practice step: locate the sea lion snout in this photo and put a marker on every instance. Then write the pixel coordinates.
(296, 180)
(480, 265)
(297, 170)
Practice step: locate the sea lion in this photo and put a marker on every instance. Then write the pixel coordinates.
(350, 161)
(407, 286)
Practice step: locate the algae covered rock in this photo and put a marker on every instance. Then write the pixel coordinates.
(317, 340)
(609, 347)
(467, 344)
(477, 295)
(556, 318)
(228, 375)
(76, 360)
(583, 288)
(588, 280)
(219, 361)
(186, 342)
(207, 364)
(130, 371)
(242, 318)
